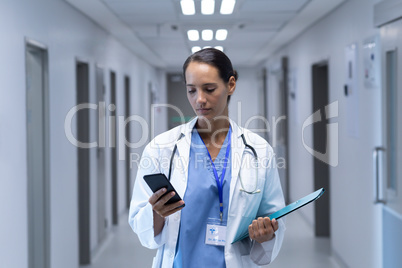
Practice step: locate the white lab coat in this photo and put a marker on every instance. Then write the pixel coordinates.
(242, 206)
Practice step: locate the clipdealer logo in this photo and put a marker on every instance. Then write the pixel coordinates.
(119, 123)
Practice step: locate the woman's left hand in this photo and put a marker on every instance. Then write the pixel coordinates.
(262, 229)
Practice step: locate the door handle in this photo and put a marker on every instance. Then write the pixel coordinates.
(378, 175)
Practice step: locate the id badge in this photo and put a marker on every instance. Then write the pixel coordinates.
(215, 232)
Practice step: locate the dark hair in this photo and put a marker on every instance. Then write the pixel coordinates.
(216, 58)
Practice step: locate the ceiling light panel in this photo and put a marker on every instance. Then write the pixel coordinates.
(195, 49)
(187, 7)
(207, 35)
(193, 35)
(221, 34)
(273, 6)
(219, 48)
(207, 7)
(227, 7)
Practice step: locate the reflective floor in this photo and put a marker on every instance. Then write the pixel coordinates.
(300, 248)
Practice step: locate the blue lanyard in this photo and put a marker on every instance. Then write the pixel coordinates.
(219, 181)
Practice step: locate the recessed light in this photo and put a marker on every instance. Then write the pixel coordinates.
(193, 35)
(195, 49)
(219, 48)
(207, 7)
(206, 47)
(187, 7)
(221, 34)
(207, 35)
(227, 7)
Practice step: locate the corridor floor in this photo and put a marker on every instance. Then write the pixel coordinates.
(300, 248)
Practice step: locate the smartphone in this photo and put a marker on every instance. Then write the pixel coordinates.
(159, 181)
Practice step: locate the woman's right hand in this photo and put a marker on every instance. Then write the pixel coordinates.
(158, 202)
(161, 210)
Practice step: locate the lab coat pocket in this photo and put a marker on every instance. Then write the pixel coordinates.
(246, 261)
(249, 204)
(247, 195)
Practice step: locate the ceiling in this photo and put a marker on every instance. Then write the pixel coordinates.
(156, 30)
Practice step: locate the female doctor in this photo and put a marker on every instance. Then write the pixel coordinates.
(225, 174)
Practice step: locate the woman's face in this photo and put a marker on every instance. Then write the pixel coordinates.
(206, 91)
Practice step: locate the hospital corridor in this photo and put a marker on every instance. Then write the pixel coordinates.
(277, 123)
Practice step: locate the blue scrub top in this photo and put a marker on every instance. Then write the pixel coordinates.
(202, 202)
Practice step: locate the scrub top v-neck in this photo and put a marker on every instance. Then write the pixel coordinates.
(202, 202)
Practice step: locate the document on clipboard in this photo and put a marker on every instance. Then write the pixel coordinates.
(242, 231)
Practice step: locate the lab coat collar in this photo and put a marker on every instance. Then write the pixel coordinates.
(183, 148)
(187, 128)
(237, 150)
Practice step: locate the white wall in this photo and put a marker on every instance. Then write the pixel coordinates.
(353, 222)
(244, 103)
(68, 34)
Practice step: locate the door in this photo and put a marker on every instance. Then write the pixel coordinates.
(278, 118)
(320, 136)
(263, 104)
(83, 135)
(181, 109)
(113, 139)
(37, 111)
(389, 185)
(101, 162)
(127, 137)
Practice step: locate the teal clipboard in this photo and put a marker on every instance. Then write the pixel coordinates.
(242, 231)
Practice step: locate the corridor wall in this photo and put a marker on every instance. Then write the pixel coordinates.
(354, 226)
(68, 35)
